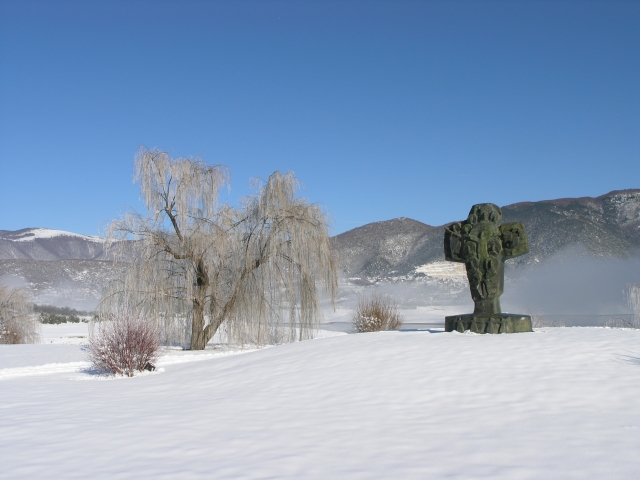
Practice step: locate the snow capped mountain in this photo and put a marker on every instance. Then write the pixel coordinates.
(32, 234)
(57, 267)
(48, 244)
(68, 269)
(606, 227)
(64, 283)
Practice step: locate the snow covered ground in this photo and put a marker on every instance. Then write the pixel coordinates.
(557, 403)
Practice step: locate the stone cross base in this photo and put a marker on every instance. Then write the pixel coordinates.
(496, 323)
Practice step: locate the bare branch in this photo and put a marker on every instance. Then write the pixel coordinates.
(256, 271)
(18, 323)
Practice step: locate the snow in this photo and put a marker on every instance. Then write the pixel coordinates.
(38, 233)
(65, 333)
(43, 369)
(443, 270)
(556, 403)
(429, 314)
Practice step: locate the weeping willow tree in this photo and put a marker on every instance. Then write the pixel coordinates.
(197, 265)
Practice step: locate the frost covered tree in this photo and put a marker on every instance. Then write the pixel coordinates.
(258, 270)
(18, 324)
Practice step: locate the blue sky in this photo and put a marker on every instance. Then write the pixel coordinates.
(383, 109)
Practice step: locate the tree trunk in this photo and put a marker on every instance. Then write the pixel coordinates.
(198, 337)
(198, 340)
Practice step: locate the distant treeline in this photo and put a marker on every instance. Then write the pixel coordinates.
(56, 315)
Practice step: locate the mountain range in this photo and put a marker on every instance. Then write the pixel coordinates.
(69, 269)
(49, 245)
(606, 226)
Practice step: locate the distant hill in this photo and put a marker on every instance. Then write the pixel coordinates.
(67, 269)
(606, 226)
(381, 249)
(59, 268)
(47, 244)
(64, 283)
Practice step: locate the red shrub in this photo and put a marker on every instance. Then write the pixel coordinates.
(124, 345)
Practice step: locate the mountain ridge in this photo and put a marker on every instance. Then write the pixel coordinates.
(608, 225)
(49, 244)
(396, 249)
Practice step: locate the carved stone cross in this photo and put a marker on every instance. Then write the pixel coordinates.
(483, 244)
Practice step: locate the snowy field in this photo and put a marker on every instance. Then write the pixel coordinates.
(558, 403)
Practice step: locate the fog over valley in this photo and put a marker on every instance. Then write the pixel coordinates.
(583, 254)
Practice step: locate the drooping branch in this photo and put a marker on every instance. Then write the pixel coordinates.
(256, 270)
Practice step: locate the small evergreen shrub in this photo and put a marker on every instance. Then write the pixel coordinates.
(51, 315)
(52, 319)
(375, 313)
(124, 346)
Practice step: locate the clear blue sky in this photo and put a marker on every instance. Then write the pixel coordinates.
(383, 109)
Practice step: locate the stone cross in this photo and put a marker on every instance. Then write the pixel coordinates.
(483, 244)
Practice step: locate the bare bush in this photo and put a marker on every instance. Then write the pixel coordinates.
(18, 323)
(632, 295)
(539, 321)
(618, 322)
(124, 345)
(632, 292)
(375, 313)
